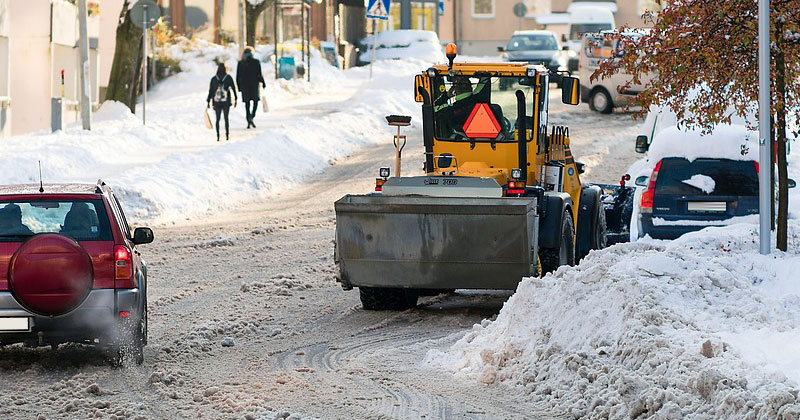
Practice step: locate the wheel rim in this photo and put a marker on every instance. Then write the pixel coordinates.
(599, 101)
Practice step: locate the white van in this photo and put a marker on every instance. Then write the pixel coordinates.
(603, 95)
(581, 17)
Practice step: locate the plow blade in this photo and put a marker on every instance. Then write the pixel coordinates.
(435, 242)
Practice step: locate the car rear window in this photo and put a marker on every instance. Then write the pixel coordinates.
(730, 177)
(82, 220)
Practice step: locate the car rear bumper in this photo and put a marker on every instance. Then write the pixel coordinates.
(96, 318)
(672, 229)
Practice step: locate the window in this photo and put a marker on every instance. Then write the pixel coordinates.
(483, 8)
(532, 43)
(730, 177)
(82, 220)
(461, 99)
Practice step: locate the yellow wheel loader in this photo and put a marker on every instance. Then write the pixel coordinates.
(501, 199)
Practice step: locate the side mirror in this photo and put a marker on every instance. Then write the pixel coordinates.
(501, 48)
(444, 161)
(142, 235)
(641, 144)
(581, 167)
(570, 90)
(791, 183)
(641, 181)
(563, 37)
(565, 48)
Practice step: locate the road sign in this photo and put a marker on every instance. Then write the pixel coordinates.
(378, 9)
(145, 13)
(520, 10)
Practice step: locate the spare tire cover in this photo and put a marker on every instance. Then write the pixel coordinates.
(50, 274)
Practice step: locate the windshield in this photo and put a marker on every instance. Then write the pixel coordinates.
(532, 42)
(713, 177)
(577, 30)
(479, 108)
(82, 220)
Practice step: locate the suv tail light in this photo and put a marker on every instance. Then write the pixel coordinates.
(756, 164)
(123, 266)
(649, 193)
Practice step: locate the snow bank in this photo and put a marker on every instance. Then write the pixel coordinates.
(702, 327)
(403, 44)
(173, 168)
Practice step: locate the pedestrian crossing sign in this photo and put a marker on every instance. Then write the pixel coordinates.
(378, 9)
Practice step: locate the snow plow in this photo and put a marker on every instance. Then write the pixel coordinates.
(501, 198)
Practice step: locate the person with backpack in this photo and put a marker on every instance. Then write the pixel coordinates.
(248, 76)
(220, 92)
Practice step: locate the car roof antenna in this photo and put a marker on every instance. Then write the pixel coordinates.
(41, 184)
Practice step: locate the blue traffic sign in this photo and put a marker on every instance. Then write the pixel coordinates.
(378, 9)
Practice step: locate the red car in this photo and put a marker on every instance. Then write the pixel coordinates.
(69, 269)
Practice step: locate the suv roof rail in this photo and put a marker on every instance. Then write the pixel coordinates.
(100, 185)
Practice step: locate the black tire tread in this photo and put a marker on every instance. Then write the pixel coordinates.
(549, 257)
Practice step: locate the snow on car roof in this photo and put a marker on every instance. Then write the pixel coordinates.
(49, 189)
(733, 142)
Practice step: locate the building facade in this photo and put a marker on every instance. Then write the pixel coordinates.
(39, 41)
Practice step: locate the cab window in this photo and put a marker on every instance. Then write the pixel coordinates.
(488, 102)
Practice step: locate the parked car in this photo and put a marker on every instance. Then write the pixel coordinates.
(537, 47)
(70, 271)
(690, 181)
(604, 94)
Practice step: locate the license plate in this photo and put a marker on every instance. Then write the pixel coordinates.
(15, 324)
(707, 206)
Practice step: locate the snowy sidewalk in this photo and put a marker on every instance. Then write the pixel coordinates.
(173, 169)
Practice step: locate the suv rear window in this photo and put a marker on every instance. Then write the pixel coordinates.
(678, 176)
(82, 220)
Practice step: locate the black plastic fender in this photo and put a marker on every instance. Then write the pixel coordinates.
(587, 214)
(550, 222)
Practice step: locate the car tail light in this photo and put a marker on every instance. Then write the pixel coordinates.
(756, 165)
(649, 193)
(123, 263)
(124, 314)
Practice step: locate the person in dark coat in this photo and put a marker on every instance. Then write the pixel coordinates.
(219, 92)
(248, 76)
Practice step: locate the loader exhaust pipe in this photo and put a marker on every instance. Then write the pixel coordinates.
(522, 135)
(427, 128)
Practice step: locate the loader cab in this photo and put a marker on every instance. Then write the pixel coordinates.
(477, 119)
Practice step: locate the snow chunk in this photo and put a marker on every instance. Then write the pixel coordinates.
(703, 183)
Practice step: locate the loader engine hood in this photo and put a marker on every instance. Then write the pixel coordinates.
(443, 186)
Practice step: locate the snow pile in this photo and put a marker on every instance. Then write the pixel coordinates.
(173, 169)
(702, 327)
(403, 44)
(733, 142)
(703, 183)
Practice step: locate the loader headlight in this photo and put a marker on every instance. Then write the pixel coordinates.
(384, 172)
(516, 173)
(531, 72)
(432, 72)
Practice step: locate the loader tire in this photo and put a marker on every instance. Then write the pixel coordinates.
(386, 298)
(551, 258)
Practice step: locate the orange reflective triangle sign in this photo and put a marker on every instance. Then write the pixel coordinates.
(482, 123)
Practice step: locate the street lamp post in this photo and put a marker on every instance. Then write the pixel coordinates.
(764, 135)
